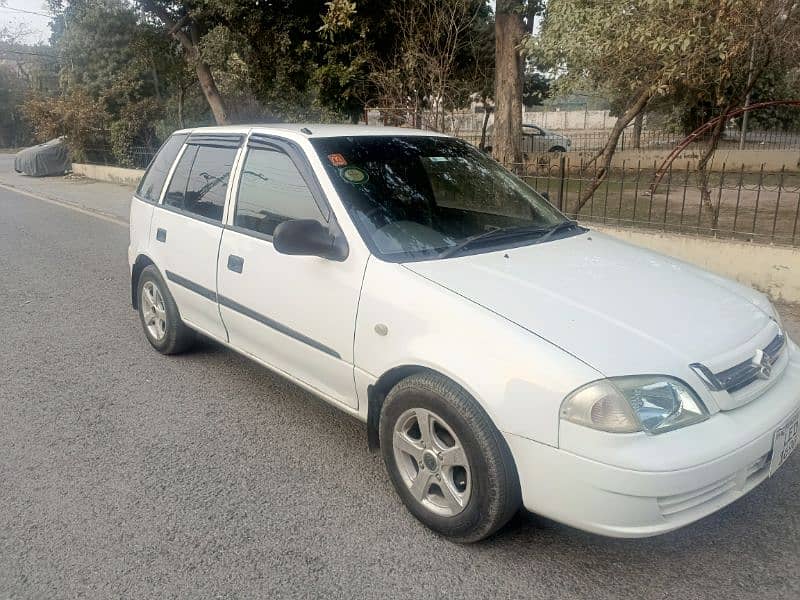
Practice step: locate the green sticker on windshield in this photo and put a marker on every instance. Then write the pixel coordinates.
(354, 175)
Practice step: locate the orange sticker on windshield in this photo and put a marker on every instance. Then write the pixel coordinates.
(337, 160)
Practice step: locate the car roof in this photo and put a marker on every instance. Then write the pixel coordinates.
(314, 130)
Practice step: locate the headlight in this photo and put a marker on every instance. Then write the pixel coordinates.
(650, 403)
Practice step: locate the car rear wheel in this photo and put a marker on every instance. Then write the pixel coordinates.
(557, 149)
(448, 462)
(159, 315)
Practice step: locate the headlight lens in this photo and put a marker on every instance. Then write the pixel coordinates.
(650, 403)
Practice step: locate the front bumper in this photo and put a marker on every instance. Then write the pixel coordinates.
(655, 492)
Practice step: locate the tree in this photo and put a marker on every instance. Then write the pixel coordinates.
(513, 19)
(186, 26)
(76, 114)
(432, 58)
(637, 51)
(535, 87)
(122, 64)
(24, 69)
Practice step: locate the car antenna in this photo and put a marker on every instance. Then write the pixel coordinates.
(305, 130)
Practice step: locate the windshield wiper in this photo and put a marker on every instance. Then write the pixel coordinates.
(548, 233)
(506, 232)
(500, 232)
(448, 252)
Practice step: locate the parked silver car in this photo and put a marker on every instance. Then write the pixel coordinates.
(536, 140)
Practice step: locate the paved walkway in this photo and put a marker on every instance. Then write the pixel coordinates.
(110, 199)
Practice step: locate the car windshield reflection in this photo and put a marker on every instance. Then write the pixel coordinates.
(415, 197)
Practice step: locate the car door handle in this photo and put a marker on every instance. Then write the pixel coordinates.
(235, 263)
(161, 235)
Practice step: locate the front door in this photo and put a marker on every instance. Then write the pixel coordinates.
(295, 313)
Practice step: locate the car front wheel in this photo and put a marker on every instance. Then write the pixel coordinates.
(448, 462)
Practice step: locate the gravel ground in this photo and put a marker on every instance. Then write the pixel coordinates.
(127, 474)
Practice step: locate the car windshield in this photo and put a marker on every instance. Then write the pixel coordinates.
(420, 197)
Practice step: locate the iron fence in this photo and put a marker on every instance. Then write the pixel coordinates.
(654, 139)
(756, 206)
(134, 157)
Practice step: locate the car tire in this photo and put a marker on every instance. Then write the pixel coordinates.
(557, 149)
(465, 503)
(159, 315)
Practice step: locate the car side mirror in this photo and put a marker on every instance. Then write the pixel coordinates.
(307, 237)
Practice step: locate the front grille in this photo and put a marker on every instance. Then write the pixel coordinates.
(740, 376)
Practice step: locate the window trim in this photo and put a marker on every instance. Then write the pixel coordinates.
(168, 176)
(195, 216)
(225, 141)
(217, 140)
(260, 141)
(186, 148)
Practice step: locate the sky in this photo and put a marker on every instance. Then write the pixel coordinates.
(10, 16)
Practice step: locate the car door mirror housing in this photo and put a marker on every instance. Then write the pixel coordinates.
(307, 237)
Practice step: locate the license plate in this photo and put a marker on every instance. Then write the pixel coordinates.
(784, 442)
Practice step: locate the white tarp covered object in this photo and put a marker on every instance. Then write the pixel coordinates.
(50, 158)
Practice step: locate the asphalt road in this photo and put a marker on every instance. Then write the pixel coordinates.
(127, 474)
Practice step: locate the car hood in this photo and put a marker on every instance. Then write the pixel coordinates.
(617, 307)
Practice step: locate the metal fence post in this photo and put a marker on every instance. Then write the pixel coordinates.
(562, 175)
(777, 204)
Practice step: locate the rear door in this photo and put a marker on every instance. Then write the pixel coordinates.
(187, 228)
(295, 313)
(148, 193)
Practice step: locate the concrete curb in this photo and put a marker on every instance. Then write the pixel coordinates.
(110, 174)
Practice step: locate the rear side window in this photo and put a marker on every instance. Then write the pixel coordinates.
(271, 191)
(153, 181)
(200, 181)
(176, 192)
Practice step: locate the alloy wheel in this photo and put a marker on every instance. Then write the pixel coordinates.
(154, 312)
(432, 462)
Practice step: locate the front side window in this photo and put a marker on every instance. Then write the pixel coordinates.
(418, 197)
(271, 190)
(153, 181)
(200, 181)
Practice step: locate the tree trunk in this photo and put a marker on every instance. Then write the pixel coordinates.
(702, 167)
(637, 131)
(485, 125)
(210, 91)
(181, 98)
(188, 42)
(509, 31)
(607, 153)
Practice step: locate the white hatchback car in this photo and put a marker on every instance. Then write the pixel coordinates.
(499, 353)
